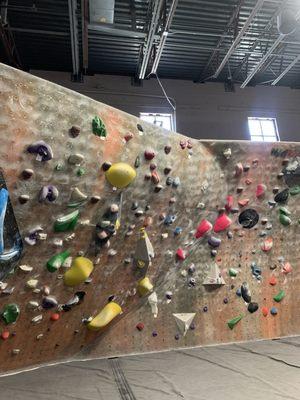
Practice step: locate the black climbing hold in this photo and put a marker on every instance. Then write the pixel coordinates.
(282, 196)
(248, 218)
(245, 292)
(74, 131)
(252, 307)
(106, 165)
(140, 128)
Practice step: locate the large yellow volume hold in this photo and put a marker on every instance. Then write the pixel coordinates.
(120, 175)
(80, 270)
(145, 286)
(106, 315)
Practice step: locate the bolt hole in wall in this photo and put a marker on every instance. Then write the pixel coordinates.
(263, 129)
(165, 121)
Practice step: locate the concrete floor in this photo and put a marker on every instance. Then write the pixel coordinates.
(257, 370)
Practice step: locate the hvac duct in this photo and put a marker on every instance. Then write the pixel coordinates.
(102, 11)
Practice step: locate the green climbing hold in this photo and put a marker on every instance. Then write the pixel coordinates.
(137, 162)
(232, 272)
(99, 127)
(284, 211)
(57, 261)
(279, 296)
(80, 171)
(67, 222)
(10, 313)
(284, 219)
(232, 322)
(295, 190)
(58, 167)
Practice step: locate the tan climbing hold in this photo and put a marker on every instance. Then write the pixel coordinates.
(106, 315)
(80, 270)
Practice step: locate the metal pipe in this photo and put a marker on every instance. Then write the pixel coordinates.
(150, 38)
(73, 34)
(85, 39)
(164, 35)
(237, 40)
(283, 73)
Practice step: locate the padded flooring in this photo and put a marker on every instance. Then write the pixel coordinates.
(262, 370)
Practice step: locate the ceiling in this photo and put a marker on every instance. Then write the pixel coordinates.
(199, 40)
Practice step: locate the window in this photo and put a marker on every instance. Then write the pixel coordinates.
(162, 120)
(263, 129)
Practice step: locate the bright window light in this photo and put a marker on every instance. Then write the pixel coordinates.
(263, 129)
(163, 120)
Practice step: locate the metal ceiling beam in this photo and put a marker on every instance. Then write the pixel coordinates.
(147, 48)
(283, 73)
(114, 30)
(39, 31)
(74, 38)
(164, 35)
(85, 37)
(240, 35)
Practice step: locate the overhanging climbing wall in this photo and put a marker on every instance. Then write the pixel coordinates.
(119, 237)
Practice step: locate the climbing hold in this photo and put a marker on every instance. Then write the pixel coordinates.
(67, 222)
(238, 169)
(98, 127)
(265, 311)
(248, 218)
(144, 251)
(77, 198)
(176, 182)
(284, 211)
(279, 296)
(274, 311)
(27, 173)
(120, 175)
(145, 286)
(204, 227)
(75, 159)
(222, 223)
(256, 271)
(229, 203)
(106, 315)
(282, 197)
(167, 170)
(232, 322)
(57, 261)
(214, 241)
(267, 245)
(5, 335)
(106, 165)
(245, 292)
(152, 300)
(49, 302)
(183, 321)
(80, 270)
(243, 202)
(232, 272)
(225, 300)
(128, 136)
(155, 177)
(252, 307)
(42, 150)
(227, 153)
(149, 154)
(284, 219)
(140, 128)
(25, 268)
(10, 313)
(23, 198)
(272, 281)
(140, 326)
(48, 192)
(177, 231)
(260, 190)
(54, 317)
(74, 131)
(214, 277)
(295, 190)
(180, 254)
(75, 300)
(32, 283)
(239, 189)
(167, 149)
(287, 268)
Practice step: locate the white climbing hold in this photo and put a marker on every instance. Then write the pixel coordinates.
(214, 276)
(37, 319)
(25, 268)
(33, 304)
(183, 321)
(32, 283)
(152, 299)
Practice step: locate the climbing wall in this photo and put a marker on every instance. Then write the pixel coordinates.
(120, 237)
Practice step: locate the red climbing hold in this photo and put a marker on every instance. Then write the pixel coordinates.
(5, 335)
(128, 137)
(55, 317)
(287, 268)
(229, 203)
(272, 281)
(260, 190)
(180, 253)
(149, 154)
(265, 311)
(204, 227)
(140, 326)
(222, 223)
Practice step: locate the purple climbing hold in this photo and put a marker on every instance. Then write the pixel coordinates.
(214, 241)
(205, 309)
(48, 192)
(41, 149)
(177, 336)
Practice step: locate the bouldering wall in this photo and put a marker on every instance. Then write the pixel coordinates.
(119, 237)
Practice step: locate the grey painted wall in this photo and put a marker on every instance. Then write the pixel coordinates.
(202, 111)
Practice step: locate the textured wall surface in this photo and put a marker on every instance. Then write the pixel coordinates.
(185, 183)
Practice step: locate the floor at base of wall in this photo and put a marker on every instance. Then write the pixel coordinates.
(255, 370)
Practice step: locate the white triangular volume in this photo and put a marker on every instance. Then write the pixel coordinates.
(152, 299)
(214, 276)
(184, 321)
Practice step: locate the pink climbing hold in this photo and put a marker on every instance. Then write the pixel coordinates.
(239, 169)
(222, 223)
(140, 326)
(287, 268)
(260, 190)
(243, 202)
(272, 281)
(204, 227)
(180, 254)
(267, 245)
(229, 203)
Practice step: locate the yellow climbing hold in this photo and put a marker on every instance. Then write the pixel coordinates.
(106, 315)
(120, 175)
(145, 286)
(80, 270)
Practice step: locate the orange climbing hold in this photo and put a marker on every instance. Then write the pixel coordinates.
(265, 311)
(272, 281)
(5, 335)
(55, 317)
